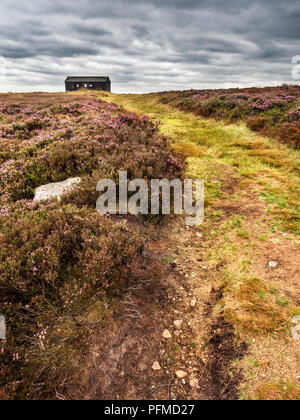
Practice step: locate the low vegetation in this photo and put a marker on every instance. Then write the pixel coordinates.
(273, 111)
(252, 216)
(63, 267)
(278, 391)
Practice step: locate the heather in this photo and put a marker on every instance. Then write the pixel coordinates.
(85, 137)
(63, 267)
(273, 111)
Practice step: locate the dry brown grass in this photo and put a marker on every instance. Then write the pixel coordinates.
(249, 145)
(287, 391)
(189, 149)
(255, 309)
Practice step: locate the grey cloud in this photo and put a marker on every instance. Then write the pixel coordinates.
(148, 45)
(140, 31)
(89, 29)
(49, 48)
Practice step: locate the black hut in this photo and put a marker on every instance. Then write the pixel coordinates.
(94, 83)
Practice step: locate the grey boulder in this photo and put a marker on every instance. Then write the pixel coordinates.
(56, 189)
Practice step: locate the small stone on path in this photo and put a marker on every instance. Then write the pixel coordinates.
(181, 374)
(178, 324)
(193, 302)
(167, 334)
(156, 366)
(273, 264)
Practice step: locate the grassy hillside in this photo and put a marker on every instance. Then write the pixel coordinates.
(273, 111)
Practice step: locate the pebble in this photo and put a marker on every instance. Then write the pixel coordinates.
(273, 264)
(181, 374)
(156, 366)
(193, 302)
(167, 334)
(178, 324)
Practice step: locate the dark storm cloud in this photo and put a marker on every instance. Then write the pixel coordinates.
(147, 45)
(49, 47)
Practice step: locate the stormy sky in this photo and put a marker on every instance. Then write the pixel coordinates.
(148, 45)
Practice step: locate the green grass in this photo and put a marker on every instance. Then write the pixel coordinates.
(238, 164)
(213, 148)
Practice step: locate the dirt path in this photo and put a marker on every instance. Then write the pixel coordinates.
(120, 363)
(235, 309)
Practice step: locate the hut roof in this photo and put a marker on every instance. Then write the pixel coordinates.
(75, 79)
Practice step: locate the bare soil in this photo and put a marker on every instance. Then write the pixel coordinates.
(119, 363)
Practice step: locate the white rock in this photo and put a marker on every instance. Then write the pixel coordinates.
(178, 324)
(181, 374)
(273, 264)
(55, 189)
(156, 366)
(193, 302)
(167, 334)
